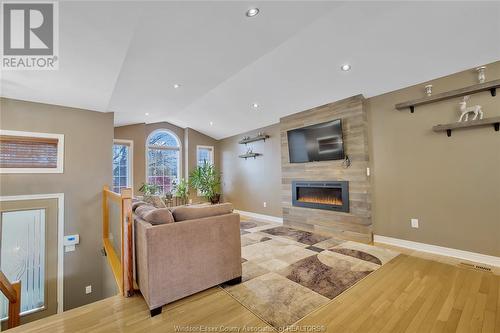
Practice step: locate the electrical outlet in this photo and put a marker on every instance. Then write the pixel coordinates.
(88, 289)
(368, 172)
(414, 223)
(265, 204)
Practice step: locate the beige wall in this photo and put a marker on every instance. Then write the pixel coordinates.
(452, 185)
(189, 140)
(88, 138)
(249, 183)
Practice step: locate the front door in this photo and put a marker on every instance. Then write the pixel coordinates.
(28, 253)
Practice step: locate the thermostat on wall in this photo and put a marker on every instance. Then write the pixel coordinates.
(70, 241)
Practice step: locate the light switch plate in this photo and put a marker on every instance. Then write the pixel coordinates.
(88, 289)
(414, 223)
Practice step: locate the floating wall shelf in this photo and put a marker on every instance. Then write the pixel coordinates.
(476, 88)
(256, 138)
(245, 156)
(495, 121)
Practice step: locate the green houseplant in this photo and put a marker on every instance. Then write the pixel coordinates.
(148, 189)
(181, 189)
(206, 179)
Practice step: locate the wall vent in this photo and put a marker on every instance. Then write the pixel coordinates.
(481, 268)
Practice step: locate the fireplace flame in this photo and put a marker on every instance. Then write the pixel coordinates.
(321, 200)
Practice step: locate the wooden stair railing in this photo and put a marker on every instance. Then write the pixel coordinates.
(122, 263)
(13, 293)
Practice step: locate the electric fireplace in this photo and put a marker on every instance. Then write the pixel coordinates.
(330, 195)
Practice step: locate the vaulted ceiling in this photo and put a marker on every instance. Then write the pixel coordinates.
(125, 57)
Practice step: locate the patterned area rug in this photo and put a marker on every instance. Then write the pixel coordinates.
(288, 273)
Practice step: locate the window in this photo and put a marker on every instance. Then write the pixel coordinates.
(122, 164)
(163, 159)
(204, 154)
(29, 152)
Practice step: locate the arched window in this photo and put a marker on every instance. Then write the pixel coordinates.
(163, 159)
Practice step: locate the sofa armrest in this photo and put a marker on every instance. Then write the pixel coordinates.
(185, 257)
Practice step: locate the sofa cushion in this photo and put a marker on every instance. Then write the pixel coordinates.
(184, 213)
(143, 209)
(158, 216)
(136, 204)
(154, 200)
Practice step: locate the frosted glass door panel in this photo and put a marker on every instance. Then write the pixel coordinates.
(23, 256)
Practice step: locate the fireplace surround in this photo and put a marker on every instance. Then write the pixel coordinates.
(329, 195)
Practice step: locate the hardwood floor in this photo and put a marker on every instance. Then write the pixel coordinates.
(409, 294)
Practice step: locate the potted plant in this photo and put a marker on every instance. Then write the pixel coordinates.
(148, 189)
(150, 194)
(181, 190)
(206, 179)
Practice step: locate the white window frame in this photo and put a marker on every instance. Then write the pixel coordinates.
(179, 149)
(60, 152)
(212, 151)
(130, 167)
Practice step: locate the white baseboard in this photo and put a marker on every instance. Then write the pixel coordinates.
(260, 216)
(440, 250)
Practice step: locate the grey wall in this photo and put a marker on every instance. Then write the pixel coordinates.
(88, 138)
(249, 183)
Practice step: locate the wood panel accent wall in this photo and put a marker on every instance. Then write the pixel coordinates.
(357, 224)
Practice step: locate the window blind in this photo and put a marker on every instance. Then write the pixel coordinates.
(28, 152)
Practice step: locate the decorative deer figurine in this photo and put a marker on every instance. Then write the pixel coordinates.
(476, 109)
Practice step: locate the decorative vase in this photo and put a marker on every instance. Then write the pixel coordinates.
(428, 89)
(481, 76)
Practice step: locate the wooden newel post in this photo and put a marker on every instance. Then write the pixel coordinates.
(13, 293)
(105, 213)
(15, 307)
(127, 248)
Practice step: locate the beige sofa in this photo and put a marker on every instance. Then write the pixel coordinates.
(187, 255)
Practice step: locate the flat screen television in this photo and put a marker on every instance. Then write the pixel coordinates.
(320, 142)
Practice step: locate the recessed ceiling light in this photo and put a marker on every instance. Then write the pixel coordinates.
(345, 67)
(146, 114)
(252, 12)
(255, 105)
(176, 86)
(211, 123)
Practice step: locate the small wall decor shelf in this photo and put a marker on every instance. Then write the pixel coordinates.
(256, 138)
(495, 121)
(476, 88)
(245, 156)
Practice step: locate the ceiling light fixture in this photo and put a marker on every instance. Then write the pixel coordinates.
(252, 12)
(345, 67)
(255, 105)
(211, 123)
(176, 86)
(146, 114)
